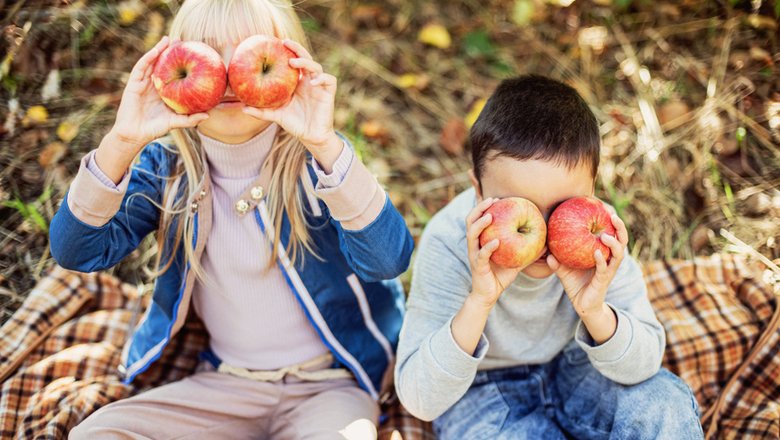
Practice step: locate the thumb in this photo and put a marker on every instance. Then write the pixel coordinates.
(271, 115)
(553, 263)
(186, 121)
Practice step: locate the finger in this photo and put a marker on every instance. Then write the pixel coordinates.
(477, 211)
(553, 263)
(620, 228)
(298, 48)
(601, 262)
(143, 66)
(559, 268)
(262, 113)
(306, 64)
(604, 272)
(484, 254)
(186, 121)
(324, 79)
(615, 247)
(475, 230)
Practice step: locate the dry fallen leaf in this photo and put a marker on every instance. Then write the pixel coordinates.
(701, 237)
(758, 204)
(35, 115)
(155, 28)
(129, 11)
(676, 111)
(413, 80)
(473, 114)
(52, 153)
(761, 55)
(51, 88)
(523, 12)
(436, 35)
(375, 130)
(67, 130)
(453, 136)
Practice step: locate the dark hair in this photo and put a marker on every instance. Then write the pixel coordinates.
(536, 118)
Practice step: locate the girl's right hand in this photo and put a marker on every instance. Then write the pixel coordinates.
(488, 280)
(142, 115)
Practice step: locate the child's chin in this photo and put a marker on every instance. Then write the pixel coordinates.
(538, 269)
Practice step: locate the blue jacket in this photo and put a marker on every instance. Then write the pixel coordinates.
(348, 291)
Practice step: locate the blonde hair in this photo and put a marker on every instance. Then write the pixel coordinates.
(219, 23)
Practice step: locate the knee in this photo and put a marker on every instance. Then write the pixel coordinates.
(95, 425)
(360, 429)
(667, 392)
(663, 400)
(81, 431)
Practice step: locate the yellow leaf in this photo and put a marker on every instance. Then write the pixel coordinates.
(436, 35)
(155, 30)
(523, 11)
(51, 154)
(129, 11)
(473, 114)
(418, 81)
(37, 114)
(407, 80)
(373, 129)
(67, 130)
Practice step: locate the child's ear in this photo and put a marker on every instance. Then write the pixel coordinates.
(475, 184)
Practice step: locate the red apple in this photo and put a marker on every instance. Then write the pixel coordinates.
(260, 74)
(574, 229)
(190, 77)
(520, 229)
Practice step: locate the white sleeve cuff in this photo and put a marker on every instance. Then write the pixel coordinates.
(448, 355)
(340, 168)
(93, 168)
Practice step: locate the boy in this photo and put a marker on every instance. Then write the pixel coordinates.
(490, 352)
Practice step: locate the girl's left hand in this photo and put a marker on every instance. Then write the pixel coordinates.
(309, 114)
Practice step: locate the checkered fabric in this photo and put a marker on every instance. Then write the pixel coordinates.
(722, 320)
(59, 352)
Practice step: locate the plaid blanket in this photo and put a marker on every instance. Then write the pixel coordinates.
(60, 350)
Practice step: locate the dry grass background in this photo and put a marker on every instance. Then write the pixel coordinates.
(687, 93)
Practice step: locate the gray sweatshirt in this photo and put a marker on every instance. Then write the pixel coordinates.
(531, 323)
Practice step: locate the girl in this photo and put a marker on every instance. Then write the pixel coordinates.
(268, 225)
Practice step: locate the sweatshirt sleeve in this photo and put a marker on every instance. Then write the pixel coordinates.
(634, 353)
(432, 372)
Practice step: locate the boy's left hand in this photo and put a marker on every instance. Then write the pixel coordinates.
(587, 289)
(309, 114)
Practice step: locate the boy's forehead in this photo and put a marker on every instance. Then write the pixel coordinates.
(544, 182)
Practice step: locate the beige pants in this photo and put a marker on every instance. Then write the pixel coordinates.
(216, 405)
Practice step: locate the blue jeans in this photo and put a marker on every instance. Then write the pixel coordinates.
(568, 398)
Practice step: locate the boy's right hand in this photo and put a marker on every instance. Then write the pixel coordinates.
(142, 115)
(488, 280)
